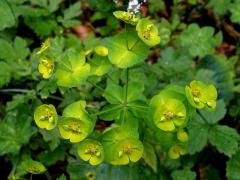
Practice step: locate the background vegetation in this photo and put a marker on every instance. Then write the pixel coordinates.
(199, 40)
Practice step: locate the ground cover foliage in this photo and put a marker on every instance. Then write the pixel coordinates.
(119, 89)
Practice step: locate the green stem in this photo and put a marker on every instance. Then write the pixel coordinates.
(31, 177)
(143, 107)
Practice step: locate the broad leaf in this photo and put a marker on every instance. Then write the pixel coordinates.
(233, 167)
(126, 49)
(224, 138)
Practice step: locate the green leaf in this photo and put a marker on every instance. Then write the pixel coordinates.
(149, 156)
(224, 138)
(185, 174)
(198, 135)
(99, 65)
(215, 115)
(126, 49)
(10, 128)
(235, 11)
(233, 167)
(73, 70)
(5, 73)
(219, 6)
(7, 18)
(198, 41)
(110, 112)
(114, 93)
(222, 75)
(69, 14)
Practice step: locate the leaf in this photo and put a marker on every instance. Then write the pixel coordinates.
(5, 73)
(185, 174)
(69, 14)
(110, 112)
(51, 157)
(198, 41)
(113, 93)
(73, 70)
(149, 156)
(198, 135)
(126, 49)
(51, 137)
(10, 129)
(235, 11)
(215, 115)
(233, 167)
(224, 138)
(222, 75)
(99, 65)
(7, 18)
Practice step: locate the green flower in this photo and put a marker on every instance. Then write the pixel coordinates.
(168, 113)
(201, 95)
(33, 167)
(46, 116)
(101, 50)
(75, 124)
(127, 150)
(46, 67)
(127, 17)
(91, 150)
(176, 151)
(73, 71)
(148, 32)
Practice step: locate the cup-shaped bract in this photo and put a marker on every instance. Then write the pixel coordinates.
(75, 124)
(169, 113)
(101, 50)
(46, 67)
(127, 150)
(92, 151)
(127, 17)
(148, 32)
(72, 70)
(33, 167)
(201, 94)
(176, 151)
(46, 116)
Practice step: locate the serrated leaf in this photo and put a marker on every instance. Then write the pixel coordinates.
(185, 174)
(233, 167)
(198, 41)
(215, 115)
(10, 128)
(198, 135)
(224, 138)
(5, 73)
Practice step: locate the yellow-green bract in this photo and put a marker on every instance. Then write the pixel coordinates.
(91, 150)
(46, 116)
(201, 95)
(72, 70)
(127, 17)
(33, 167)
(46, 67)
(121, 146)
(148, 32)
(75, 124)
(176, 151)
(168, 113)
(101, 50)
